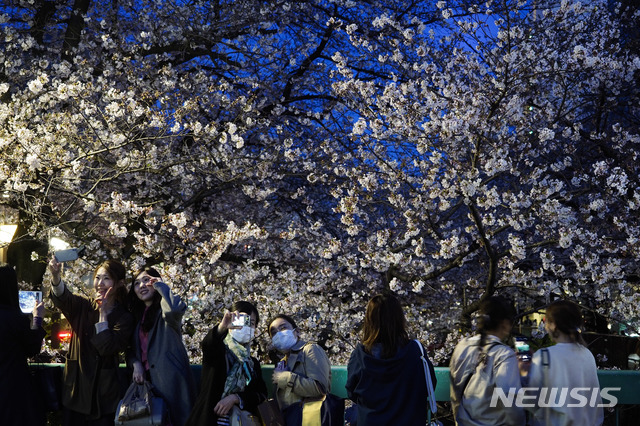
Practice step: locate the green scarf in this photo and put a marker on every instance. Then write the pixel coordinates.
(239, 374)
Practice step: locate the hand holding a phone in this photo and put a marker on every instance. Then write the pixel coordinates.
(226, 322)
(55, 268)
(239, 320)
(524, 362)
(29, 300)
(38, 310)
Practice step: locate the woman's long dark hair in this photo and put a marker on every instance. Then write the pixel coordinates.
(384, 323)
(8, 286)
(567, 317)
(493, 312)
(137, 306)
(118, 274)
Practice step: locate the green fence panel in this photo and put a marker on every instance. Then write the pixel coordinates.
(627, 380)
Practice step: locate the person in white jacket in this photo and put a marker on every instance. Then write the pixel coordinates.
(565, 375)
(482, 365)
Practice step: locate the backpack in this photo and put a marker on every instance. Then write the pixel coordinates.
(481, 380)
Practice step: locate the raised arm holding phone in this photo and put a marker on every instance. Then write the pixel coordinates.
(231, 377)
(101, 330)
(158, 354)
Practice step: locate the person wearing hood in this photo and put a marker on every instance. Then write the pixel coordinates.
(230, 375)
(385, 373)
(302, 376)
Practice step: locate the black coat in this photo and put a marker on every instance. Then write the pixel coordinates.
(19, 405)
(214, 375)
(90, 380)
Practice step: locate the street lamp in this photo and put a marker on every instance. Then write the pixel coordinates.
(6, 236)
(6, 233)
(58, 244)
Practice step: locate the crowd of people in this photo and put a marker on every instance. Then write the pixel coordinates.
(388, 375)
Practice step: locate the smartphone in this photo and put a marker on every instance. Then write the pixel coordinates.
(523, 351)
(69, 254)
(240, 320)
(28, 300)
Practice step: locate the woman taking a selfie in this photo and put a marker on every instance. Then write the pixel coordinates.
(158, 354)
(303, 373)
(231, 377)
(102, 328)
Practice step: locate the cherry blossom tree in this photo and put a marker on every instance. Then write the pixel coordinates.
(306, 155)
(512, 167)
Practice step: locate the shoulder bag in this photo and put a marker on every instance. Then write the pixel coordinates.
(546, 364)
(482, 360)
(433, 408)
(326, 410)
(240, 417)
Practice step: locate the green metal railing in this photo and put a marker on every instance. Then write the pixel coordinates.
(627, 380)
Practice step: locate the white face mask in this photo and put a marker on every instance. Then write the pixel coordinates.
(284, 340)
(243, 335)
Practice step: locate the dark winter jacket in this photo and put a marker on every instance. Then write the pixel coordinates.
(168, 360)
(91, 383)
(214, 375)
(19, 404)
(389, 391)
